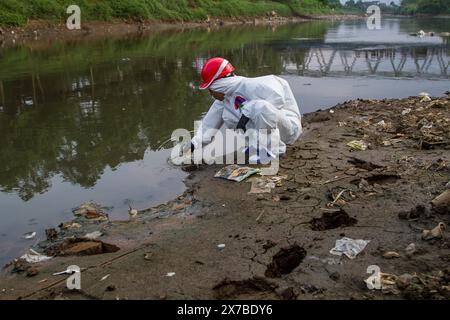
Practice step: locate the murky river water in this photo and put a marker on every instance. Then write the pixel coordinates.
(84, 120)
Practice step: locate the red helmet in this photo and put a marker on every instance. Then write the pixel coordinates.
(214, 69)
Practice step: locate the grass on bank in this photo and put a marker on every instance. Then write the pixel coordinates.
(18, 12)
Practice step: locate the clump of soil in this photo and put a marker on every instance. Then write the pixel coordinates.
(415, 213)
(81, 247)
(255, 287)
(363, 164)
(382, 179)
(332, 220)
(285, 261)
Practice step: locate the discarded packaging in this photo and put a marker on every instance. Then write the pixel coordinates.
(236, 173)
(406, 111)
(411, 249)
(391, 255)
(436, 233)
(351, 248)
(442, 200)
(358, 145)
(93, 235)
(105, 277)
(29, 235)
(90, 210)
(382, 281)
(34, 257)
(221, 246)
(70, 225)
(133, 212)
(69, 270)
(170, 274)
(265, 184)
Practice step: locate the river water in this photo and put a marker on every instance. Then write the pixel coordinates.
(85, 120)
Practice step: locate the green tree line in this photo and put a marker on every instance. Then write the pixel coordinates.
(18, 12)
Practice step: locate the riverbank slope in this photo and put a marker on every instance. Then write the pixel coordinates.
(277, 245)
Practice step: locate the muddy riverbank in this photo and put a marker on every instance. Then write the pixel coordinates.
(38, 32)
(277, 245)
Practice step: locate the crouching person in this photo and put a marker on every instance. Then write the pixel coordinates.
(264, 104)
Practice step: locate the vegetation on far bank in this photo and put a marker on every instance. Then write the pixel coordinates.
(18, 12)
(406, 7)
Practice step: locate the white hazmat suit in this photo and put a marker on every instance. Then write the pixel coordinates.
(267, 101)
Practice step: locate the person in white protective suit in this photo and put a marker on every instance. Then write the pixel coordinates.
(248, 103)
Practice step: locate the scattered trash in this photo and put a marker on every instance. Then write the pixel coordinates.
(425, 99)
(411, 249)
(69, 270)
(93, 235)
(132, 212)
(442, 200)
(51, 234)
(70, 225)
(436, 233)
(105, 277)
(406, 111)
(265, 184)
(391, 255)
(221, 246)
(148, 256)
(34, 257)
(357, 145)
(170, 274)
(90, 210)
(331, 111)
(421, 33)
(382, 123)
(351, 248)
(236, 173)
(425, 124)
(29, 235)
(382, 281)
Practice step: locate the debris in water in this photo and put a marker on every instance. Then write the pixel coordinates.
(29, 235)
(90, 210)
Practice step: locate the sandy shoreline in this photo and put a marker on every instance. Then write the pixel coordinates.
(277, 244)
